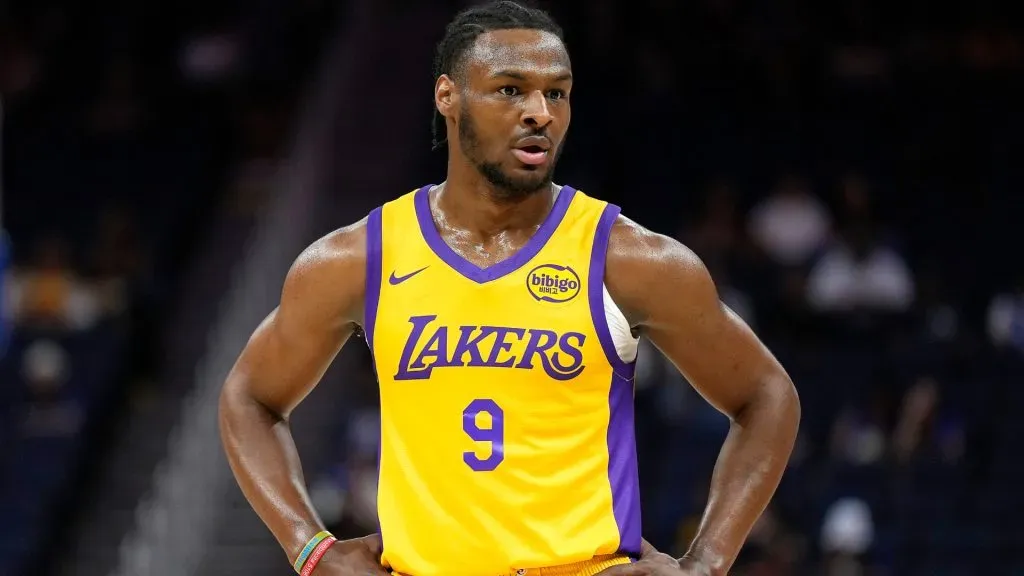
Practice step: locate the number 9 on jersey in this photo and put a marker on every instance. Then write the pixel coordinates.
(493, 435)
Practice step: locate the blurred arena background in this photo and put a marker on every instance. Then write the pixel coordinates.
(850, 171)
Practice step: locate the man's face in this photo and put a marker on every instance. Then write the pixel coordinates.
(513, 108)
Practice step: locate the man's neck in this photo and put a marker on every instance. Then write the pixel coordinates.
(470, 203)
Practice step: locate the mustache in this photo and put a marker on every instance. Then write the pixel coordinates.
(551, 145)
(542, 132)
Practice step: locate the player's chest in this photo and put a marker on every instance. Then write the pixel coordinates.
(537, 319)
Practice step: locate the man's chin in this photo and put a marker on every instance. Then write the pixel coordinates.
(517, 182)
(525, 188)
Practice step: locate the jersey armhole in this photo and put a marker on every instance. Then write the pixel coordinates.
(371, 300)
(374, 267)
(595, 293)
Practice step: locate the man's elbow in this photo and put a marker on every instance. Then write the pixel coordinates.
(230, 406)
(789, 399)
(776, 401)
(784, 402)
(237, 404)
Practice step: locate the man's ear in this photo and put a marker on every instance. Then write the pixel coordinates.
(446, 97)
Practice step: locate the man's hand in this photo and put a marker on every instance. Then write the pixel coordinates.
(658, 564)
(356, 557)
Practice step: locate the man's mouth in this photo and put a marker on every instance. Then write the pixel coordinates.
(531, 155)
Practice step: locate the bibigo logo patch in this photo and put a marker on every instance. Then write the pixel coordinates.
(553, 283)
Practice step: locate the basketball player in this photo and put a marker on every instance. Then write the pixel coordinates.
(503, 312)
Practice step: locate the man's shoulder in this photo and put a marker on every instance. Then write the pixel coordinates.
(331, 272)
(632, 244)
(342, 248)
(642, 265)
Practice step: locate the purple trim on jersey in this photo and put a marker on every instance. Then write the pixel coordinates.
(623, 475)
(376, 504)
(374, 277)
(380, 448)
(622, 467)
(506, 266)
(595, 292)
(374, 265)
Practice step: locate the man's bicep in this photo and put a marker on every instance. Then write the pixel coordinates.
(280, 366)
(718, 354)
(293, 347)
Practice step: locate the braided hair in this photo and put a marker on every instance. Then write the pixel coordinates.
(464, 29)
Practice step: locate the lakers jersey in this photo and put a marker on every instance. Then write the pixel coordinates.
(507, 438)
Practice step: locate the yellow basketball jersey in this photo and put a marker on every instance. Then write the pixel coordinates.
(507, 437)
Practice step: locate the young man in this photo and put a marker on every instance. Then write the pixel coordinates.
(503, 313)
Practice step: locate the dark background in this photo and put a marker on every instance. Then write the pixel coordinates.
(848, 170)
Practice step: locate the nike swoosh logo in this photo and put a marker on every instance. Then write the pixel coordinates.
(396, 280)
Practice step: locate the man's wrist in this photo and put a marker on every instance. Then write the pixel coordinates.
(704, 564)
(299, 539)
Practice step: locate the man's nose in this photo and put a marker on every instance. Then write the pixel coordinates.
(535, 112)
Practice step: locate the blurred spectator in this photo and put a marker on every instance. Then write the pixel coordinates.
(926, 428)
(939, 314)
(790, 225)
(210, 58)
(46, 369)
(858, 437)
(847, 533)
(49, 293)
(859, 272)
(1006, 318)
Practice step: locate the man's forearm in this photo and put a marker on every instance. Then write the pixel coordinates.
(749, 468)
(265, 463)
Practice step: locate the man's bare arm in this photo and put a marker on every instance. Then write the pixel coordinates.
(665, 290)
(321, 304)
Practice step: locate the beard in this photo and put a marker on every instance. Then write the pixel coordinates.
(508, 186)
